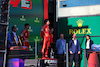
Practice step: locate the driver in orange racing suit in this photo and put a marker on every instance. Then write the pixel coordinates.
(45, 38)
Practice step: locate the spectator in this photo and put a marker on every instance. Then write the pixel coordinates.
(61, 48)
(9, 40)
(14, 36)
(88, 43)
(74, 48)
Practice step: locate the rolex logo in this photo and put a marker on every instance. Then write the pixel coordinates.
(79, 23)
(79, 30)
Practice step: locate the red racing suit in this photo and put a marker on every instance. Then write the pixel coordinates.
(42, 32)
(25, 37)
(51, 38)
(46, 41)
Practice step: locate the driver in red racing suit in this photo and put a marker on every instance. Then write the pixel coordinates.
(46, 38)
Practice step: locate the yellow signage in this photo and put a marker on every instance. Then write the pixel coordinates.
(80, 31)
(79, 23)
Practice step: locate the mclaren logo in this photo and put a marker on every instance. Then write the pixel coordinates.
(80, 30)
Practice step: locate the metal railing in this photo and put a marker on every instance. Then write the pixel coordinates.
(67, 55)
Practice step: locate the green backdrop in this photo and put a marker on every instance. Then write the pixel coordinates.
(19, 16)
(81, 26)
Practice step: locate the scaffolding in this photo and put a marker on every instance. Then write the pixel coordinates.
(4, 21)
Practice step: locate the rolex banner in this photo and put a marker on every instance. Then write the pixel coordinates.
(81, 26)
(27, 11)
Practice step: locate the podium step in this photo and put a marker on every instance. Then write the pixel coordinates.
(31, 63)
(40, 63)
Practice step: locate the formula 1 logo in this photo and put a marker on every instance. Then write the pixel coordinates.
(25, 4)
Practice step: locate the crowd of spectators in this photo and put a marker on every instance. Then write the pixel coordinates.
(4, 10)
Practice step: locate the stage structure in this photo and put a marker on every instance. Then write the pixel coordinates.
(81, 18)
(4, 21)
(28, 11)
(32, 12)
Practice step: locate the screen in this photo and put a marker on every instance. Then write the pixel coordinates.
(75, 3)
(71, 8)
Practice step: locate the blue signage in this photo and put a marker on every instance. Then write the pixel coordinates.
(75, 3)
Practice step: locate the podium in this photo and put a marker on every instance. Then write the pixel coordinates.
(48, 62)
(93, 60)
